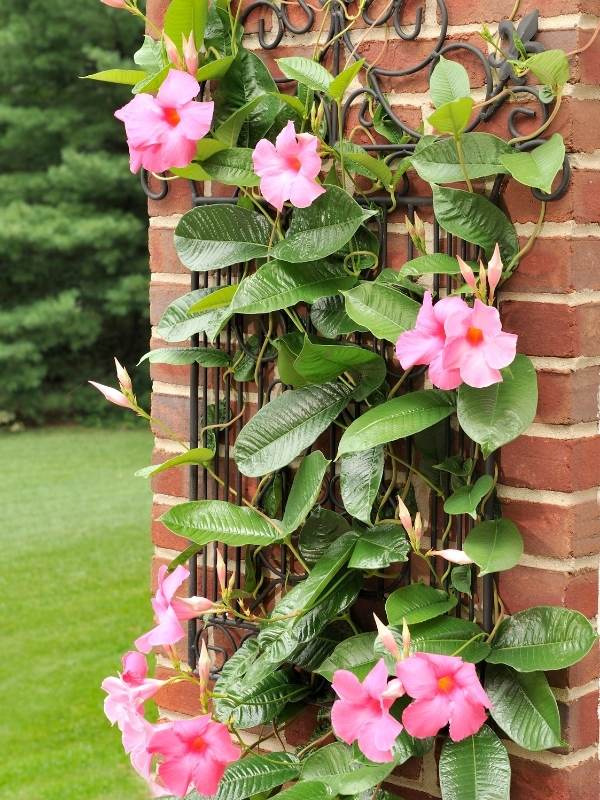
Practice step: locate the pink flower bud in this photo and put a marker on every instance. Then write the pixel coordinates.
(114, 3)
(466, 272)
(172, 52)
(190, 607)
(453, 556)
(394, 690)
(221, 571)
(123, 377)
(386, 638)
(112, 395)
(190, 54)
(418, 528)
(495, 267)
(404, 515)
(135, 668)
(204, 668)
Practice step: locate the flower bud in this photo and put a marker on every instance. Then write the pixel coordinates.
(466, 272)
(418, 532)
(115, 3)
(221, 572)
(204, 669)
(135, 668)
(495, 267)
(123, 378)
(386, 637)
(404, 515)
(190, 54)
(482, 282)
(452, 555)
(394, 690)
(112, 395)
(172, 52)
(416, 232)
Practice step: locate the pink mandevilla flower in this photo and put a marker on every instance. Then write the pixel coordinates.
(137, 733)
(425, 343)
(362, 713)
(194, 753)
(170, 610)
(445, 689)
(453, 556)
(128, 692)
(288, 169)
(162, 131)
(112, 395)
(477, 346)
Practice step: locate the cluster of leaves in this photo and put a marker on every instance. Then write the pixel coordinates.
(326, 257)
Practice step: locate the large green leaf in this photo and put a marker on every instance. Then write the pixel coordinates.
(523, 706)
(337, 87)
(445, 636)
(254, 774)
(396, 419)
(205, 521)
(436, 160)
(498, 414)
(307, 72)
(322, 228)
(355, 654)
(278, 285)
(538, 167)
(215, 236)
(177, 325)
(197, 455)
(220, 298)
(283, 428)
(449, 81)
(435, 263)
(417, 603)
(321, 361)
(128, 77)
(383, 310)
(320, 530)
(360, 478)
(304, 790)
(328, 315)
(288, 348)
(205, 356)
(214, 69)
(452, 117)
(494, 545)
(542, 638)
(344, 770)
(378, 547)
(305, 490)
(232, 166)
(466, 498)
(259, 703)
(476, 768)
(475, 219)
(550, 67)
(185, 17)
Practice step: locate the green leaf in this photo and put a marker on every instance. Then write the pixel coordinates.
(152, 83)
(151, 56)
(257, 704)
(466, 499)
(229, 130)
(305, 490)
(356, 159)
(538, 167)
(498, 414)
(305, 790)
(253, 774)
(328, 315)
(461, 578)
(550, 67)
(321, 529)
(185, 17)
(449, 81)
(337, 87)
(219, 298)
(278, 285)
(417, 603)
(542, 638)
(197, 455)
(176, 324)
(494, 545)
(288, 348)
(322, 228)
(205, 356)
(216, 236)
(360, 478)
(129, 77)
(524, 707)
(444, 636)
(434, 264)
(396, 419)
(379, 547)
(293, 102)
(320, 361)
(476, 768)
(436, 160)
(214, 69)
(205, 521)
(452, 117)
(475, 219)
(344, 770)
(383, 310)
(354, 654)
(283, 428)
(307, 72)
(233, 167)
(387, 128)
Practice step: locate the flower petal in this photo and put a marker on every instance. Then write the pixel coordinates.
(424, 718)
(177, 89)
(417, 676)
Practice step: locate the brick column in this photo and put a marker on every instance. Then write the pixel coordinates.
(550, 476)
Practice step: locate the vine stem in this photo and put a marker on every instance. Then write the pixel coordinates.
(316, 742)
(423, 477)
(588, 44)
(530, 242)
(543, 127)
(297, 555)
(461, 161)
(397, 386)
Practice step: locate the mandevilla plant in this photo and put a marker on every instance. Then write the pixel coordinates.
(302, 229)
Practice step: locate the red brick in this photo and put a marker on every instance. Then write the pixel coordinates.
(462, 12)
(558, 265)
(181, 697)
(580, 674)
(162, 295)
(555, 329)
(300, 729)
(161, 536)
(566, 465)
(536, 781)
(523, 587)
(579, 720)
(555, 531)
(178, 199)
(565, 398)
(163, 257)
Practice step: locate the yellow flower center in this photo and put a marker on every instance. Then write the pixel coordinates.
(475, 335)
(446, 684)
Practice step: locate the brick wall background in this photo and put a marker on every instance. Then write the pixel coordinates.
(550, 477)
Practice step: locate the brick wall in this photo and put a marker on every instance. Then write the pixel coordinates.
(550, 476)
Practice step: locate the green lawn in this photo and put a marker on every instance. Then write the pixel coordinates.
(75, 548)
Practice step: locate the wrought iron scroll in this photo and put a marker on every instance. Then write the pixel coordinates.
(210, 389)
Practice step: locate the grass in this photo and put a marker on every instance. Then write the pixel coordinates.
(73, 596)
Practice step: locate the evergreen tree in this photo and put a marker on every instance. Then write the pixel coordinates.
(72, 232)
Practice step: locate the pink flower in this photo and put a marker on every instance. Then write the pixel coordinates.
(476, 346)
(425, 343)
(445, 689)
(137, 733)
(288, 168)
(452, 555)
(170, 610)
(114, 3)
(112, 395)
(162, 131)
(194, 753)
(128, 692)
(362, 713)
